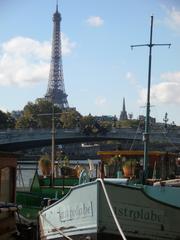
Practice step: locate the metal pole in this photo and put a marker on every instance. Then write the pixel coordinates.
(146, 130)
(146, 133)
(53, 146)
(53, 132)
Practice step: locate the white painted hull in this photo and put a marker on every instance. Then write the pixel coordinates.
(84, 212)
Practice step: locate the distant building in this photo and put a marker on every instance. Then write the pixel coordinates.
(123, 115)
(107, 118)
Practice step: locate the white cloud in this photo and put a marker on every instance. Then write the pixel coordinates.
(21, 47)
(165, 92)
(95, 21)
(100, 101)
(67, 45)
(25, 61)
(173, 18)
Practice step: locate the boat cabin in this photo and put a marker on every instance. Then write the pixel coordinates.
(161, 165)
(7, 195)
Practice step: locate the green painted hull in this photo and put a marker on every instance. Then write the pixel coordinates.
(31, 202)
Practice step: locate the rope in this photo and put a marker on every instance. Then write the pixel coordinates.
(111, 209)
(59, 231)
(133, 142)
(20, 177)
(170, 141)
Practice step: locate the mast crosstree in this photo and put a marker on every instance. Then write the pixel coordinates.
(56, 89)
(146, 132)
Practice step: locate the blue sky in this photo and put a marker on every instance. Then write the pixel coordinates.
(99, 66)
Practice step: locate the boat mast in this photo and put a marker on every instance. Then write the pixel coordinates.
(146, 131)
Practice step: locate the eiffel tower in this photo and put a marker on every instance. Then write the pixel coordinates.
(56, 90)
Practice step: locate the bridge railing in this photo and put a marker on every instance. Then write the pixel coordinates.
(25, 135)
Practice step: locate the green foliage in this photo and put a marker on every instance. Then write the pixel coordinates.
(6, 120)
(90, 126)
(3, 120)
(70, 119)
(62, 158)
(127, 123)
(39, 115)
(31, 118)
(23, 122)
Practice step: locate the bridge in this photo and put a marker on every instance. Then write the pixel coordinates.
(14, 140)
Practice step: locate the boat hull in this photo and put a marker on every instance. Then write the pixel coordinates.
(84, 212)
(96, 236)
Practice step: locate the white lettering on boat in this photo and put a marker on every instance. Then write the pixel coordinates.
(80, 210)
(137, 213)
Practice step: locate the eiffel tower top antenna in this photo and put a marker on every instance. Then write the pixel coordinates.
(146, 132)
(57, 5)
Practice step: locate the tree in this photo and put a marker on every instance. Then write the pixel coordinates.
(91, 126)
(128, 123)
(35, 115)
(70, 118)
(39, 115)
(11, 121)
(6, 120)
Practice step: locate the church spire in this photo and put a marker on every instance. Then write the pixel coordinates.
(123, 115)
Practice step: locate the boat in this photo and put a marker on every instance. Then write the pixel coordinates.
(43, 190)
(8, 207)
(143, 211)
(142, 205)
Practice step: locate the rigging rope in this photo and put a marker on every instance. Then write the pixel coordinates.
(111, 209)
(169, 140)
(59, 231)
(137, 130)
